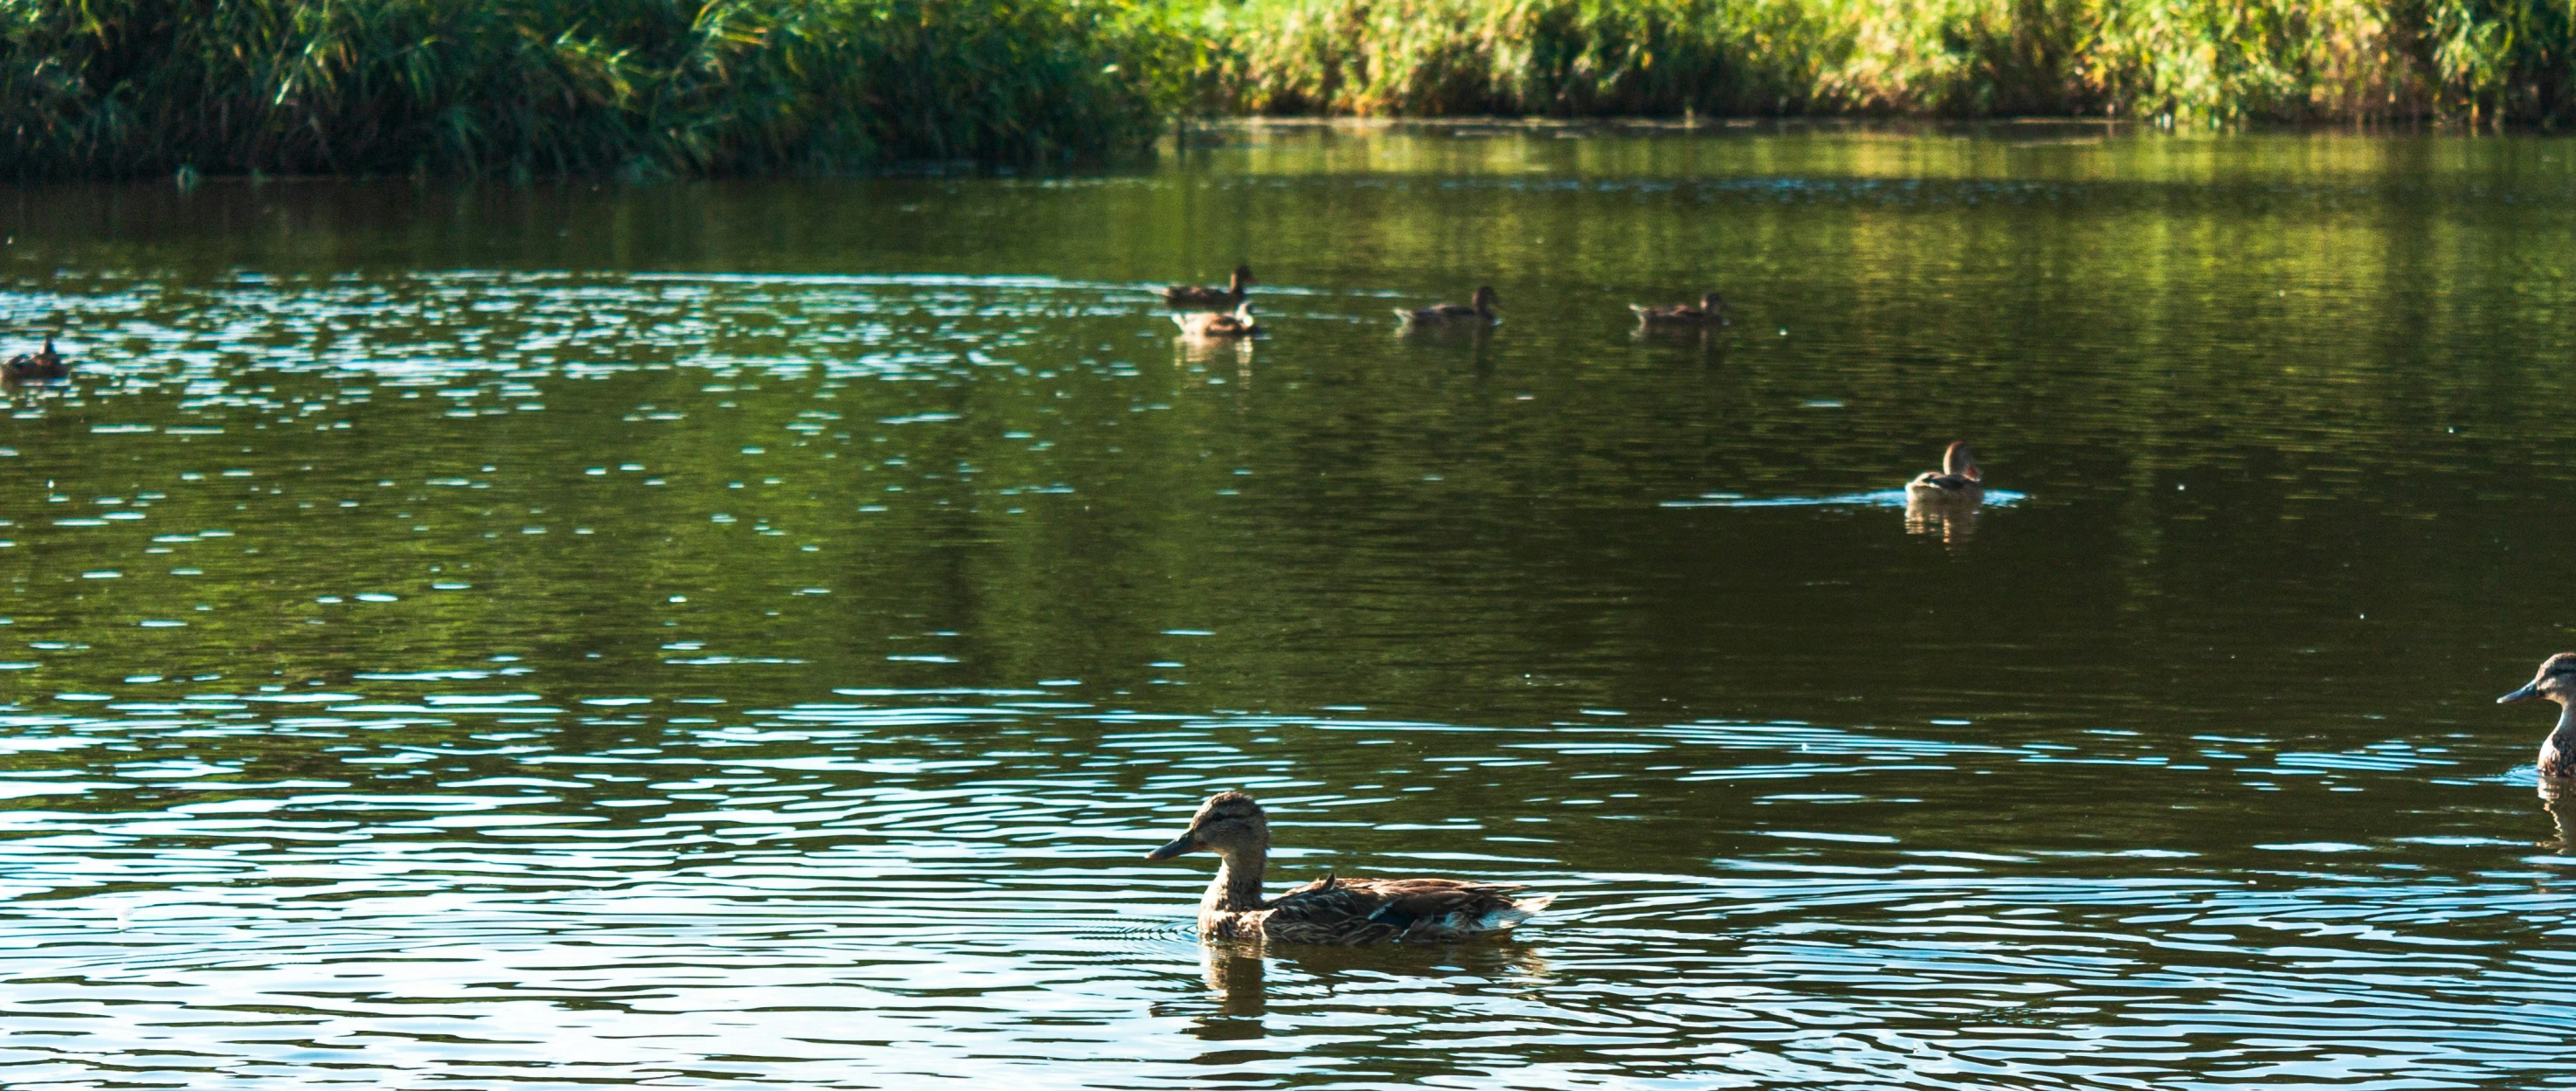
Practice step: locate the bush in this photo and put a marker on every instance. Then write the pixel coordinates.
(640, 87)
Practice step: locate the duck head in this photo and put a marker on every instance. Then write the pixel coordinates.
(2556, 681)
(1228, 823)
(1960, 461)
(1713, 303)
(1241, 279)
(1484, 299)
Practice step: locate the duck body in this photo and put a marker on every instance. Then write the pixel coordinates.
(1711, 311)
(40, 365)
(1331, 910)
(1346, 912)
(1957, 482)
(1214, 324)
(2557, 682)
(1479, 310)
(1204, 297)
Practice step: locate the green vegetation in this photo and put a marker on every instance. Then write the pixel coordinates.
(639, 87)
(647, 88)
(2187, 61)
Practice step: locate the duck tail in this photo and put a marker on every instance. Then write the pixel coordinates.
(1513, 912)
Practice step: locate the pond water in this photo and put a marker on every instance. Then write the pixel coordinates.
(748, 633)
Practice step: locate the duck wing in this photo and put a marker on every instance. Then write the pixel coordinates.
(1352, 911)
(1195, 295)
(1943, 482)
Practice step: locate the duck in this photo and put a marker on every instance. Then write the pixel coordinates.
(1237, 288)
(2557, 682)
(1957, 483)
(1479, 309)
(1214, 324)
(1710, 312)
(44, 363)
(1331, 910)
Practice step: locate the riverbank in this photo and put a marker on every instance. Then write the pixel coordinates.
(634, 88)
(654, 88)
(2189, 65)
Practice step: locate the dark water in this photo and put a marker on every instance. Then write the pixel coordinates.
(746, 634)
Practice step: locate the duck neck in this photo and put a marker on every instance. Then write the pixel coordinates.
(1237, 886)
(2565, 733)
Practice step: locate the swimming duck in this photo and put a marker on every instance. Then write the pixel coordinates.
(1957, 483)
(45, 363)
(2556, 681)
(1212, 324)
(1479, 309)
(1330, 910)
(1710, 312)
(1195, 295)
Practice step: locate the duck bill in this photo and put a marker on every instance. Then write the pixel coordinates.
(2524, 694)
(1178, 846)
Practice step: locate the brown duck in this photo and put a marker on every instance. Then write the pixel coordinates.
(1217, 324)
(1330, 910)
(1478, 310)
(1712, 311)
(1237, 288)
(2556, 681)
(44, 363)
(1958, 482)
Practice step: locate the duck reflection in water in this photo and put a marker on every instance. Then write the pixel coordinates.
(1946, 501)
(1237, 975)
(1214, 350)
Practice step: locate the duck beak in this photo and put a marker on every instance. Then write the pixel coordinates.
(2524, 694)
(1179, 845)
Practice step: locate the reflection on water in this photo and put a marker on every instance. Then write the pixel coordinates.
(720, 634)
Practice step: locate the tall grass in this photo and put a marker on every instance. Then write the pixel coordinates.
(669, 87)
(2189, 61)
(640, 87)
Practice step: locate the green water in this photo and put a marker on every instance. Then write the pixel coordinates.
(748, 633)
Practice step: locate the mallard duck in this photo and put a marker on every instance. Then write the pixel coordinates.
(1479, 309)
(1330, 910)
(1197, 295)
(1710, 312)
(1957, 483)
(1214, 324)
(45, 363)
(2556, 681)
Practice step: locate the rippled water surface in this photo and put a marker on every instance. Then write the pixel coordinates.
(748, 633)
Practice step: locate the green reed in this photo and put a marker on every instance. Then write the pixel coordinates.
(2178, 61)
(646, 88)
(636, 87)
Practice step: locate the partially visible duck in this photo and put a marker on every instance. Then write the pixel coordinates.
(1478, 310)
(1237, 288)
(1958, 482)
(2557, 682)
(45, 363)
(1710, 312)
(1330, 910)
(1211, 324)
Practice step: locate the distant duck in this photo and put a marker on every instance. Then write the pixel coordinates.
(1711, 311)
(1237, 288)
(2556, 681)
(44, 363)
(1958, 482)
(1215, 324)
(1478, 310)
(1331, 910)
